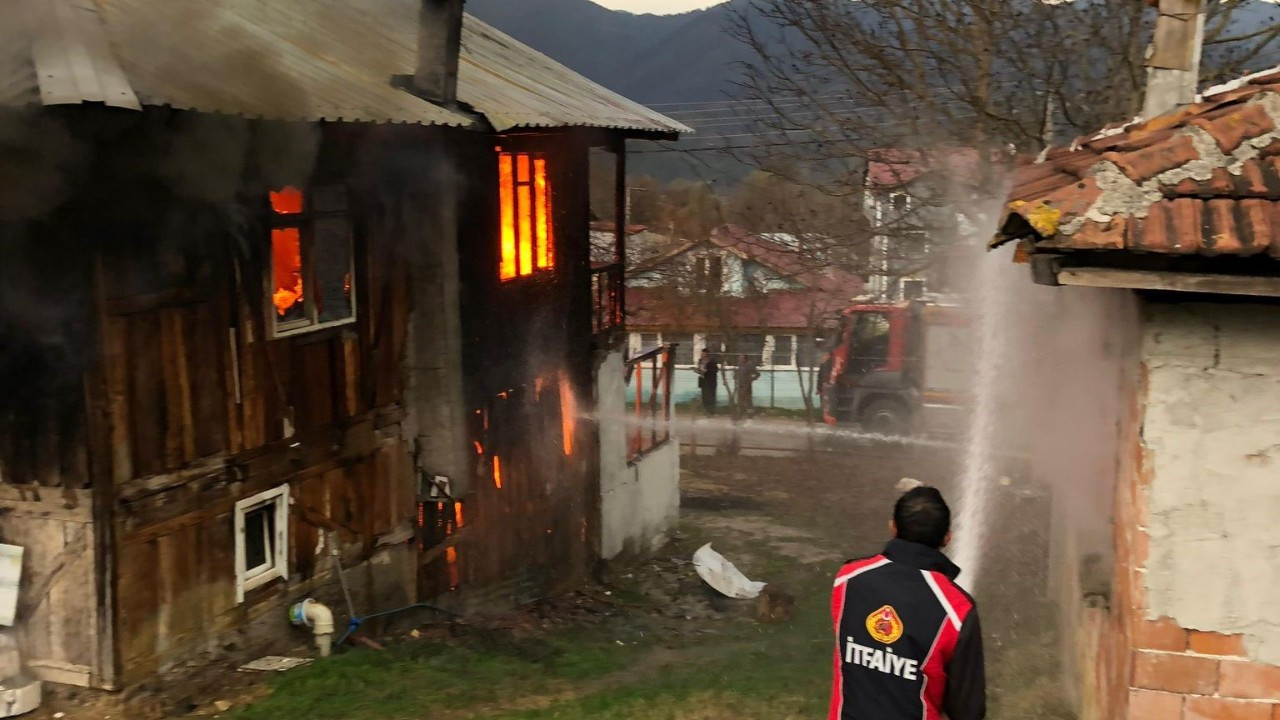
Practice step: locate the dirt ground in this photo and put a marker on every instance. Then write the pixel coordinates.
(650, 640)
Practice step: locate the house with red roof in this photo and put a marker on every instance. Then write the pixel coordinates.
(916, 203)
(738, 293)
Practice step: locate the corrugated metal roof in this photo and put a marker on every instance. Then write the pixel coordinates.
(286, 59)
(516, 86)
(1202, 180)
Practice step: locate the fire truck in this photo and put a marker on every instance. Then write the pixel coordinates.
(899, 368)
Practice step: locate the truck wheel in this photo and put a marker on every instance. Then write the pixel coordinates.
(884, 416)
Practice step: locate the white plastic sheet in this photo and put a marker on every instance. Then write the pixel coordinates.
(722, 575)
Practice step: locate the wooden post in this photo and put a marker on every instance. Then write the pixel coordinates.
(103, 456)
(1174, 64)
(618, 278)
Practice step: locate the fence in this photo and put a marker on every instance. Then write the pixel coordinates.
(649, 397)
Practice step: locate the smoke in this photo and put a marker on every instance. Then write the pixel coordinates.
(1047, 377)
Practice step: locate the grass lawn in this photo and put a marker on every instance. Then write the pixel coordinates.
(659, 649)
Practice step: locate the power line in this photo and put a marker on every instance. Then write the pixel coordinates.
(702, 138)
(749, 109)
(788, 117)
(730, 101)
(729, 105)
(721, 148)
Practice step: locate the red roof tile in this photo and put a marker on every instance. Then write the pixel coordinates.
(1222, 202)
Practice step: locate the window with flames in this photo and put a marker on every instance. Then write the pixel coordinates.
(528, 227)
(311, 277)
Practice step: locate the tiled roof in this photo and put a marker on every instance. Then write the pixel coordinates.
(891, 168)
(1204, 180)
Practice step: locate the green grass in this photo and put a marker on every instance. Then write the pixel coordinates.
(739, 669)
(641, 663)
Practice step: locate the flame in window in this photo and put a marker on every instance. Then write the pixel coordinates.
(286, 264)
(286, 252)
(542, 201)
(524, 193)
(497, 472)
(457, 514)
(286, 201)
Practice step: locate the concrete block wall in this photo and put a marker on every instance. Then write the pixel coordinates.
(1198, 584)
(639, 501)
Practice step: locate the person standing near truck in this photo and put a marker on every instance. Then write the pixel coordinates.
(708, 376)
(908, 641)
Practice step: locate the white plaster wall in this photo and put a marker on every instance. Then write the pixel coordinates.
(639, 502)
(1212, 430)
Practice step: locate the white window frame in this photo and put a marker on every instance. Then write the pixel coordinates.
(278, 566)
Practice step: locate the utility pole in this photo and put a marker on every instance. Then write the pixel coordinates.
(1173, 65)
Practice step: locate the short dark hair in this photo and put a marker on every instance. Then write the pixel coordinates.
(922, 516)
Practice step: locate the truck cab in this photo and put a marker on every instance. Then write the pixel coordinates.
(897, 368)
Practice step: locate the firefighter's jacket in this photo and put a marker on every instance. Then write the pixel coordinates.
(908, 642)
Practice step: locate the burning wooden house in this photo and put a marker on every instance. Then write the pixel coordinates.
(289, 287)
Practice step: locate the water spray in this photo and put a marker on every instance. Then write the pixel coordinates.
(992, 309)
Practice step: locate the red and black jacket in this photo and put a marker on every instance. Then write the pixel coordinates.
(908, 642)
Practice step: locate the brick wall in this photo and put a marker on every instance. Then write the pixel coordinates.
(1164, 671)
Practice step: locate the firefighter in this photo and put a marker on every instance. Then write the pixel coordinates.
(908, 642)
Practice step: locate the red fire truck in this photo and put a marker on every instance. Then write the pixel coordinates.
(898, 368)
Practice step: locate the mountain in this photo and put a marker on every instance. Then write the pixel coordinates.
(650, 58)
(691, 58)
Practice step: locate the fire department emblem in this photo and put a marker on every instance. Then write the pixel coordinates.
(885, 625)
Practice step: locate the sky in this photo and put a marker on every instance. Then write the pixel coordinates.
(658, 7)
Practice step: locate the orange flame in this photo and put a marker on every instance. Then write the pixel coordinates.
(451, 557)
(507, 189)
(568, 412)
(457, 514)
(524, 196)
(286, 201)
(497, 472)
(542, 199)
(286, 264)
(478, 446)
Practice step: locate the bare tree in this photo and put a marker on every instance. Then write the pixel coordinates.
(946, 92)
(835, 81)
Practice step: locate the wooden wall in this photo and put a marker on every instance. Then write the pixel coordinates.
(523, 341)
(206, 408)
(182, 403)
(55, 528)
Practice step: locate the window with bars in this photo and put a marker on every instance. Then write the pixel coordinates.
(528, 229)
